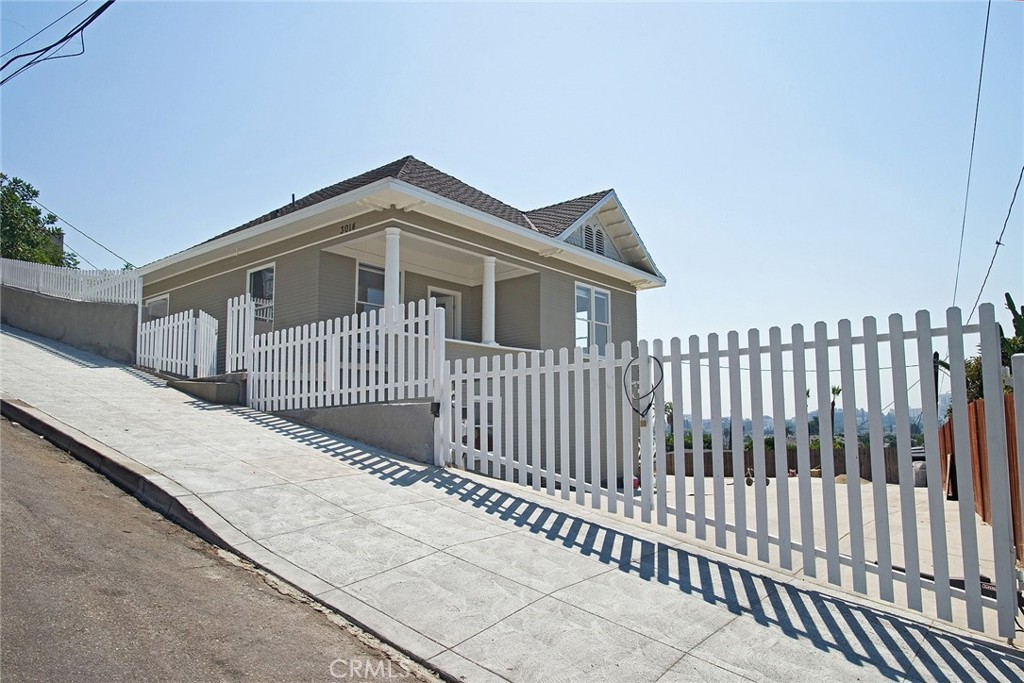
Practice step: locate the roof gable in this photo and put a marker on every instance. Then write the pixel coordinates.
(609, 214)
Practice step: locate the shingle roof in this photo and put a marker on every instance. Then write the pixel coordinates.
(549, 220)
(553, 220)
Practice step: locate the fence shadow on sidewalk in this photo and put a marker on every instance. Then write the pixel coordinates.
(879, 641)
(885, 644)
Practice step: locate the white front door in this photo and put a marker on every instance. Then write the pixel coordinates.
(451, 302)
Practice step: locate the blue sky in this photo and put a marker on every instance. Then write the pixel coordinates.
(783, 162)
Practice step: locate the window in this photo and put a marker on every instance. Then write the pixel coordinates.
(261, 288)
(593, 317)
(593, 239)
(369, 289)
(158, 307)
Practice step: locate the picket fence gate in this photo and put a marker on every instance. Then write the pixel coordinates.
(182, 344)
(101, 286)
(584, 426)
(241, 326)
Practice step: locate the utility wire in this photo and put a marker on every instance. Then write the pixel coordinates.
(40, 55)
(999, 243)
(970, 163)
(44, 28)
(94, 266)
(82, 232)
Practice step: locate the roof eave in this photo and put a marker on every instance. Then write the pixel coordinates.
(593, 210)
(263, 228)
(541, 243)
(635, 276)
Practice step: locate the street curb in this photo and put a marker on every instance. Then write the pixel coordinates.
(135, 479)
(128, 475)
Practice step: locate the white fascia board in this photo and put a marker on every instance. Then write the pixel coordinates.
(582, 220)
(639, 278)
(636, 234)
(541, 242)
(269, 226)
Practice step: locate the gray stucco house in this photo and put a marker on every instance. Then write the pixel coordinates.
(558, 276)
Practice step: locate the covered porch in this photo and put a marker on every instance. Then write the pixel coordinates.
(477, 289)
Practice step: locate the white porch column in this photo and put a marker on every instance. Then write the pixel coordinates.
(487, 322)
(391, 269)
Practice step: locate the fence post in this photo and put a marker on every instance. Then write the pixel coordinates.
(250, 329)
(190, 347)
(998, 472)
(1017, 368)
(440, 386)
(138, 328)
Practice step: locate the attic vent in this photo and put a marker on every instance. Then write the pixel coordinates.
(593, 239)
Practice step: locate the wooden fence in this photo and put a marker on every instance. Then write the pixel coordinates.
(980, 465)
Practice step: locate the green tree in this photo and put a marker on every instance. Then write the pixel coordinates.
(26, 233)
(688, 440)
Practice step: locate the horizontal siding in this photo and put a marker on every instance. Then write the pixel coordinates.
(517, 312)
(534, 311)
(558, 311)
(164, 279)
(337, 290)
(623, 317)
(296, 280)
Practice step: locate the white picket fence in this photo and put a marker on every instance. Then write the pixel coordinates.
(104, 286)
(573, 427)
(361, 358)
(182, 344)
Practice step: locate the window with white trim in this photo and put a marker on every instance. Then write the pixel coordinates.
(369, 289)
(260, 286)
(593, 317)
(158, 307)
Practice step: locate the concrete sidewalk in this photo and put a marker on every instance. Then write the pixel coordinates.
(485, 580)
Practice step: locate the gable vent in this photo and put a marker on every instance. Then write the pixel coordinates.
(593, 239)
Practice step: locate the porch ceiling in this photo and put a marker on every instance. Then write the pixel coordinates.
(427, 257)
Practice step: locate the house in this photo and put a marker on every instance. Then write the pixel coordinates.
(558, 276)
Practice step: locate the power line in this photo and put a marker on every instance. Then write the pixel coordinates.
(40, 55)
(999, 243)
(82, 232)
(970, 163)
(94, 266)
(44, 28)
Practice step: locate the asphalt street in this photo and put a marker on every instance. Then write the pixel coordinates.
(96, 587)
